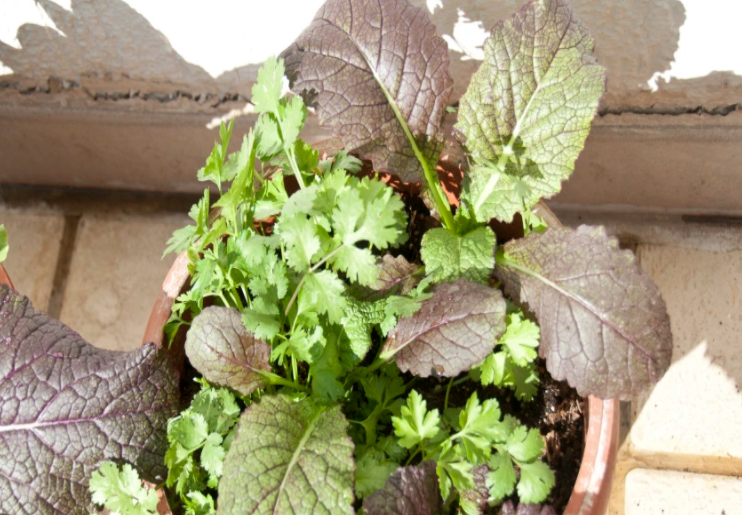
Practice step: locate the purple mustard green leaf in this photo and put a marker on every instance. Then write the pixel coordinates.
(219, 346)
(375, 69)
(397, 276)
(66, 407)
(408, 491)
(528, 108)
(288, 457)
(604, 325)
(455, 329)
(474, 501)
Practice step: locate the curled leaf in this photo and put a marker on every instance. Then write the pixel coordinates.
(454, 330)
(219, 346)
(604, 325)
(377, 69)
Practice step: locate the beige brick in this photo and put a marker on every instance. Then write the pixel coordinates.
(696, 409)
(115, 275)
(34, 238)
(662, 492)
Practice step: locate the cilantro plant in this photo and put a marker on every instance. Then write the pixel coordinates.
(313, 333)
(4, 247)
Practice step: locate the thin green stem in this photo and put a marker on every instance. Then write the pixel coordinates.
(431, 177)
(275, 379)
(294, 369)
(418, 451)
(448, 391)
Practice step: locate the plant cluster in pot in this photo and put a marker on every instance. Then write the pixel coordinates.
(346, 337)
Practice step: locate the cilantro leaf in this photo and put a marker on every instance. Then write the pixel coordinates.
(501, 479)
(323, 291)
(536, 481)
(521, 339)
(266, 93)
(525, 445)
(198, 503)
(121, 491)
(415, 423)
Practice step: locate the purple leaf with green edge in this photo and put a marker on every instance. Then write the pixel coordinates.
(288, 457)
(409, 491)
(604, 325)
(474, 501)
(66, 406)
(454, 329)
(379, 74)
(219, 346)
(528, 109)
(397, 276)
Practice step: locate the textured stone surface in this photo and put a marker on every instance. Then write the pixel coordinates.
(34, 238)
(115, 275)
(696, 409)
(662, 492)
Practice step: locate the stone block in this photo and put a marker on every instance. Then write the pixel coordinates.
(35, 238)
(664, 492)
(696, 409)
(115, 276)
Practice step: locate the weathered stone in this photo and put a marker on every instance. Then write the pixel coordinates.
(664, 492)
(115, 276)
(34, 238)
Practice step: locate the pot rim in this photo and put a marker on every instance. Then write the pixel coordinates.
(592, 488)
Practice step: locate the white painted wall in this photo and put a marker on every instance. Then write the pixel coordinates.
(216, 45)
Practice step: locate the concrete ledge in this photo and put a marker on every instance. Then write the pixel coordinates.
(670, 163)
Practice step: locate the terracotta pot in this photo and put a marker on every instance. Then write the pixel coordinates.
(5, 278)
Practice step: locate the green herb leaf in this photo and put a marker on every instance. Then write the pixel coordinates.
(501, 479)
(121, 491)
(323, 292)
(288, 457)
(266, 93)
(528, 108)
(415, 423)
(525, 445)
(372, 472)
(448, 257)
(521, 339)
(536, 481)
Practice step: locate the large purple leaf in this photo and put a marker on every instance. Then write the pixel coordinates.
(66, 406)
(604, 325)
(366, 59)
(453, 330)
(288, 458)
(219, 346)
(408, 491)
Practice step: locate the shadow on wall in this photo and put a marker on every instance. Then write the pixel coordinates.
(109, 39)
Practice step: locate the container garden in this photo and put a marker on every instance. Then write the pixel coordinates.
(295, 300)
(592, 488)
(352, 340)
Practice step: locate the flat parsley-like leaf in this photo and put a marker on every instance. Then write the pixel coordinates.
(415, 423)
(121, 491)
